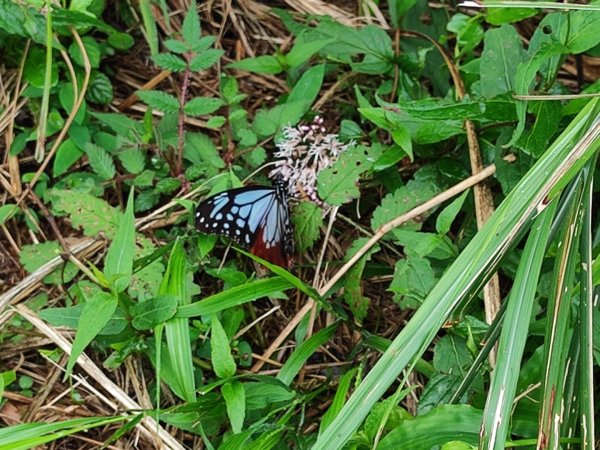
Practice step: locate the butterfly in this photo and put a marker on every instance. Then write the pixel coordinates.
(255, 217)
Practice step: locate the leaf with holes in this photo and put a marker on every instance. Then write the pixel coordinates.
(36, 255)
(338, 184)
(307, 220)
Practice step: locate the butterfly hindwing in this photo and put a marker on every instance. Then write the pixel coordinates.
(257, 218)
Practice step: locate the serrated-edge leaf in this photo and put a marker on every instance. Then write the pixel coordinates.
(170, 62)
(159, 100)
(7, 212)
(101, 161)
(199, 106)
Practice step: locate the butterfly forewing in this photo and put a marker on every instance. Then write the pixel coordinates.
(257, 218)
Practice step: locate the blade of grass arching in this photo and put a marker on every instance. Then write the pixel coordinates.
(558, 335)
(498, 407)
(177, 329)
(43, 121)
(29, 435)
(304, 351)
(234, 297)
(477, 261)
(149, 29)
(586, 305)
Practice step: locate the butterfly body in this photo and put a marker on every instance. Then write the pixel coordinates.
(255, 217)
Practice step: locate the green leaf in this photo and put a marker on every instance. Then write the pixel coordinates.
(449, 213)
(121, 124)
(353, 292)
(200, 106)
(92, 50)
(133, 160)
(67, 101)
(7, 212)
(298, 358)
(403, 200)
(120, 40)
(35, 68)
(200, 149)
(398, 9)
(176, 46)
(170, 62)
(265, 64)
(100, 161)
(35, 256)
(502, 52)
(308, 86)
(96, 313)
(235, 400)
(100, 89)
(444, 423)
(190, 29)
(153, 312)
(469, 32)
(498, 16)
(581, 30)
(202, 44)
(234, 297)
(92, 214)
(303, 51)
(159, 100)
(220, 351)
(118, 265)
(338, 400)
(66, 155)
(338, 183)
(22, 20)
(413, 280)
(307, 219)
(268, 121)
(206, 59)
(177, 330)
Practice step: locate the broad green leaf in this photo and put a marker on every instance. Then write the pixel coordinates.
(443, 424)
(235, 399)
(301, 52)
(94, 215)
(169, 61)
(7, 212)
(120, 40)
(338, 184)
(448, 214)
(200, 149)
(398, 9)
(266, 392)
(121, 124)
(307, 219)
(133, 160)
(220, 351)
(147, 273)
(413, 280)
(118, 265)
(100, 89)
(96, 313)
(469, 32)
(200, 106)
(153, 312)
(582, 30)
(268, 121)
(101, 161)
(308, 86)
(498, 16)
(36, 255)
(68, 317)
(403, 200)
(265, 64)
(159, 100)
(22, 20)
(92, 50)
(67, 101)
(67, 154)
(502, 52)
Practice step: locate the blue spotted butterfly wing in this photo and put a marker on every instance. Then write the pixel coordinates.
(255, 217)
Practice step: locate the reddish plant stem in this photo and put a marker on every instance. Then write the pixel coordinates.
(182, 97)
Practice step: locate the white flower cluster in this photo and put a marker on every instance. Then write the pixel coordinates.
(303, 152)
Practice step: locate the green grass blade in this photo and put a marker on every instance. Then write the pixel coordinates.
(476, 262)
(304, 351)
(29, 435)
(177, 330)
(496, 417)
(558, 333)
(149, 30)
(586, 305)
(234, 297)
